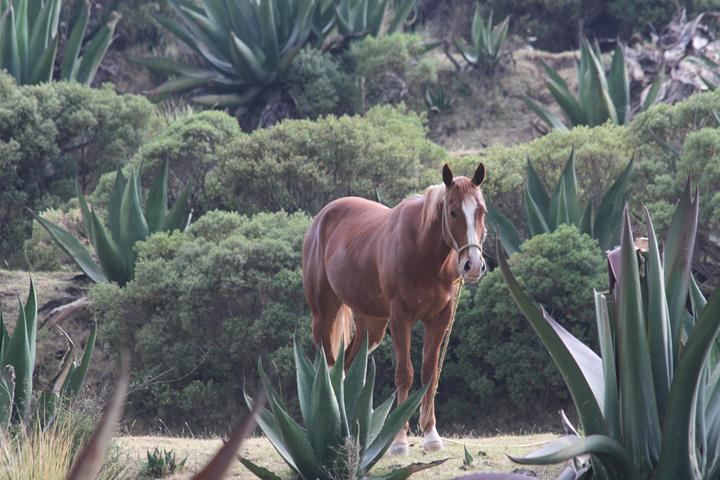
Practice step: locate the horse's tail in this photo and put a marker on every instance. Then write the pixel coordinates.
(344, 323)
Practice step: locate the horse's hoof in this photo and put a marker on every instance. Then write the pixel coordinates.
(433, 446)
(399, 449)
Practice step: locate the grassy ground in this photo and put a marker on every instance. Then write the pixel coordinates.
(489, 455)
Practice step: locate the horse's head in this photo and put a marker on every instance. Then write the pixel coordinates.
(463, 221)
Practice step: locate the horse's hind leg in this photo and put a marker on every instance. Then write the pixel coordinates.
(373, 327)
(328, 326)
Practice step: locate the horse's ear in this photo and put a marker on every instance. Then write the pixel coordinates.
(479, 176)
(448, 176)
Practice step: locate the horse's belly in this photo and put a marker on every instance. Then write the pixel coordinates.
(358, 287)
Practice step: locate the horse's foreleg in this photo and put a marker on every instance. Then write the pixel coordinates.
(432, 340)
(401, 329)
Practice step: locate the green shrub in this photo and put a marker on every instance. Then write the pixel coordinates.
(41, 252)
(190, 145)
(660, 137)
(601, 154)
(318, 86)
(303, 164)
(392, 68)
(204, 305)
(496, 353)
(53, 133)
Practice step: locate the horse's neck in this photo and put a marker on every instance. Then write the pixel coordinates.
(432, 247)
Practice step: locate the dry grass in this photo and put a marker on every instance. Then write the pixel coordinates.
(489, 455)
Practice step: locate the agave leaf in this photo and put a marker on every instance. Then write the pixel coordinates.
(536, 221)
(43, 68)
(133, 226)
(585, 223)
(606, 337)
(658, 328)
(75, 380)
(75, 250)
(570, 446)
(573, 111)
(305, 373)
(337, 380)
(395, 421)
(364, 409)
(379, 415)
(41, 35)
(86, 215)
(178, 216)
(355, 378)
(682, 397)
(114, 265)
(115, 204)
(23, 38)
(405, 472)
(586, 399)
(609, 215)
(267, 424)
(679, 246)
(74, 41)
(639, 414)
(258, 471)
(619, 86)
(504, 229)
(156, 207)
(325, 427)
(401, 14)
(536, 190)
(654, 91)
(21, 356)
(11, 54)
(564, 202)
(546, 115)
(96, 50)
(297, 443)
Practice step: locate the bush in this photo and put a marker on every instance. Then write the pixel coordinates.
(661, 136)
(318, 86)
(303, 164)
(392, 69)
(204, 305)
(495, 352)
(53, 133)
(601, 154)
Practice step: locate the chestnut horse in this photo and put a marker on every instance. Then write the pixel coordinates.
(376, 265)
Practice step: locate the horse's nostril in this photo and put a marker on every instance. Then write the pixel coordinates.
(467, 266)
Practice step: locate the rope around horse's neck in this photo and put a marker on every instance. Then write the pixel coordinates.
(457, 286)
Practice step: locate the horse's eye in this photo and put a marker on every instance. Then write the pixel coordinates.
(452, 213)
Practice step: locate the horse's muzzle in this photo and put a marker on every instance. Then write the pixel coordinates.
(472, 271)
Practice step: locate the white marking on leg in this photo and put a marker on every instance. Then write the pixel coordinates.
(432, 441)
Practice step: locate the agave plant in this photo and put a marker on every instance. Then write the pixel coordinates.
(17, 364)
(345, 435)
(246, 47)
(357, 18)
(544, 213)
(438, 100)
(602, 96)
(128, 224)
(29, 41)
(650, 407)
(486, 42)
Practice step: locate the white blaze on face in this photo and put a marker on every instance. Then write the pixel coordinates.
(472, 254)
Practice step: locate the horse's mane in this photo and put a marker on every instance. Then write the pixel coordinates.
(433, 197)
